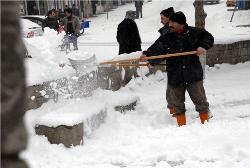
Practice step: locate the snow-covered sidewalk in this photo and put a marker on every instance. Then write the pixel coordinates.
(149, 137)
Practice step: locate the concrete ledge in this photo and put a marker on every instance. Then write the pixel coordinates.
(72, 135)
(128, 107)
(67, 135)
(34, 97)
(67, 123)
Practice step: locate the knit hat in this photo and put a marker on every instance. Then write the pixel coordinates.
(167, 12)
(130, 14)
(178, 17)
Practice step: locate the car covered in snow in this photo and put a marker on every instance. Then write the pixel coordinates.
(30, 29)
(38, 19)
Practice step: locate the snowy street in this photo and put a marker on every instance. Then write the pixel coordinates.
(148, 137)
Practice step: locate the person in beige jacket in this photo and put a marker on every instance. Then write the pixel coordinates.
(71, 26)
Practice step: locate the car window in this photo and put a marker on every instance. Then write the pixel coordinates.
(37, 22)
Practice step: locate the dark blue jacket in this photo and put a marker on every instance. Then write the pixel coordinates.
(164, 30)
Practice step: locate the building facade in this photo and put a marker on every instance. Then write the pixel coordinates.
(87, 8)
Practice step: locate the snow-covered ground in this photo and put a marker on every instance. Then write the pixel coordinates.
(148, 136)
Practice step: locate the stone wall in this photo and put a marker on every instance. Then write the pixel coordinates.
(67, 135)
(34, 97)
(229, 53)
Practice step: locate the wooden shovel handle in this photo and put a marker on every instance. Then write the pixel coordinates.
(171, 55)
(150, 58)
(135, 65)
(129, 65)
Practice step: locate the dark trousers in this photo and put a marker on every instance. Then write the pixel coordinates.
(138, 11)
(197, 94)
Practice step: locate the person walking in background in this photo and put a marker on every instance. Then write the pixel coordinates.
(75, 10)
(51, 20)
(71, 26)
(184, 72)
(138, 8)
(128, 35)
(93, 4)
(129, 40)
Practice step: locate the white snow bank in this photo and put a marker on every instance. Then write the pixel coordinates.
(80, 55)
(132, 55)
(116, 98)
(65, 112)
(46, 59)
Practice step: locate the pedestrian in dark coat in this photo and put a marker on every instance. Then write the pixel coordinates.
(128, 35)
(184, 72)
(138, 8)
(75, 10)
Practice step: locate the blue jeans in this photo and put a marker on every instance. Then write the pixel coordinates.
(70, 38)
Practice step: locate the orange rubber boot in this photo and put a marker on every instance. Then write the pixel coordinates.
(181, 119)
(203, 117)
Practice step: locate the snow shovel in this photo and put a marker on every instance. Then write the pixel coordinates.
(136, 61)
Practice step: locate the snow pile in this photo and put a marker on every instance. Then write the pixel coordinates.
(44, 64)
(65, 112)
(73, 111)
(133, 55)
(116, 98)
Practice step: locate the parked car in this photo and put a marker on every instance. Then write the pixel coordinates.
(211, 1)
(30, 29)
(38, 19)
(231, 3)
